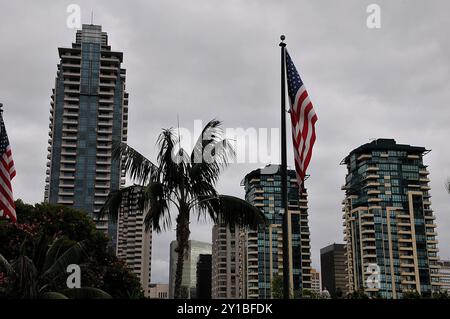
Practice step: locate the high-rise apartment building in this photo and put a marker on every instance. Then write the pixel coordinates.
(134, 243)
(444, 273)
(228, 262)
(189, 276)
(265, 245)
(88, 115)
(389, 224)
(315, 281)
(333, 270)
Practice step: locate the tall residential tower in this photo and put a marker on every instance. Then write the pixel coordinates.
(89, 113)
(389, 224)
(228, 262)
(134, 242)
(265, 246)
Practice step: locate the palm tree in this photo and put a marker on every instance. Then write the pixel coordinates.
(35, 276)
(184, 181)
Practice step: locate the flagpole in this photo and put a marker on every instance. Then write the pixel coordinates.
(284, 181)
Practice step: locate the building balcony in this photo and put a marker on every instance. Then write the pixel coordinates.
(403, 224)
(106, 92)
(407, 273)
(109, 67)
(104, 138)
(107, 84)
(108, 76)
(364, 157)
(69, 65)
(105, 116)
(109, 101)
(408, 282)
(71, 73)
(66, 56)
(68, 153)
(71, 99)
(371, 176)
(372, 184)
(105, 108)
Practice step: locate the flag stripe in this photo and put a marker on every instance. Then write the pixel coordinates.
(303, 120)
(7, 173)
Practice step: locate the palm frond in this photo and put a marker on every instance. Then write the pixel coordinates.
(86, 293)
(72, 255)
(53, 252)
(209, 134)
(113, 202)
(25, 277)
(139, 168)
(5, 266)
(40, 248)
(154, 200)
(232, 210)
(168, 168)
(53, 295)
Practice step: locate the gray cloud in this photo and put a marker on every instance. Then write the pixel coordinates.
(204, 59)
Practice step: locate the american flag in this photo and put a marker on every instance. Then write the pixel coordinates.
(303, 119)
(7, 173)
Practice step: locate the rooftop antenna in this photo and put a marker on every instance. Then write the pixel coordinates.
(92, 17)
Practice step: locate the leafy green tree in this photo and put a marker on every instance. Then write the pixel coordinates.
(412, 295)
(358, 294)
(41, 273)
(186, 182)
(443, 294)
(277, 287)
(308, 294)
(100, 268)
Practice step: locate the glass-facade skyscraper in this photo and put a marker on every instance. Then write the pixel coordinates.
(189, 276)
(265, 246)
(88, 115)
(389, 224)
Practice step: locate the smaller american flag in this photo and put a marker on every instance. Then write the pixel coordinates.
(303, 120)
(7, 173)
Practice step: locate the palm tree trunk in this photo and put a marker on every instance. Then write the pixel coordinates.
(182, 233)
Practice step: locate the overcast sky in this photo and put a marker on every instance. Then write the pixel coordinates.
(207, 59)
